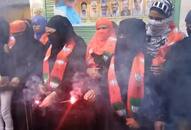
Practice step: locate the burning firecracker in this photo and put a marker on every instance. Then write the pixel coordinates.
(73, 99)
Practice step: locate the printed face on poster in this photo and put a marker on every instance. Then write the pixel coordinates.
(86, 12)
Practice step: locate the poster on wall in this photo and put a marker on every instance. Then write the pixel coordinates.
(36, 5)
(86, 12)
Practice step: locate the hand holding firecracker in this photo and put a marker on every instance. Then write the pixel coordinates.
(82, 87)
(35, 90)
(79, 93)
(76, 94)
(49, 100)
(36, 102)
(40, 95)
(43, 97)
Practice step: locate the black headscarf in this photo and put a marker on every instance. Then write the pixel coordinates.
(188, 17)
(24, 40)
(131, 39)
(27, 53)
(164, 7)
(4, 31)
(64, 30)
(188, 22)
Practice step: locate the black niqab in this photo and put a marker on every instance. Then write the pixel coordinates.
(64, 32)
(130, 40)
(27, 53)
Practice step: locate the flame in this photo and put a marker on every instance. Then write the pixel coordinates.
(73, 99)
(37, 102)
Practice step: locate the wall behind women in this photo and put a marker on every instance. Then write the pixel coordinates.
(15, 9)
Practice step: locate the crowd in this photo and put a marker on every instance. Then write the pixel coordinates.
(131, 76)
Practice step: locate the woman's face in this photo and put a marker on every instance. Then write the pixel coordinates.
(50, 30)
(156, 15)
(36, 28)
(52, 36)
(103, 32)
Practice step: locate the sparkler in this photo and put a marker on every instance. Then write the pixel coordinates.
(72, 100)
(37, 102)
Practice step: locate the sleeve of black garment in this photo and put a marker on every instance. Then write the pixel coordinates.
(154, 106)
(27, 62)
(37, 60)
(163, 84)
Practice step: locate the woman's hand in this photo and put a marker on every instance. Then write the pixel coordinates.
(90, 96)
(6, 48)
(4, 81)
(14, 82)
(132, 123)
(48, 100)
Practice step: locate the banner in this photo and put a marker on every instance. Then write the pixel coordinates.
(36, 5)
(86, 12)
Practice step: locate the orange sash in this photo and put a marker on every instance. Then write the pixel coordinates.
(135, 87)
(173, 37)
(54, 78)
(44, 39)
